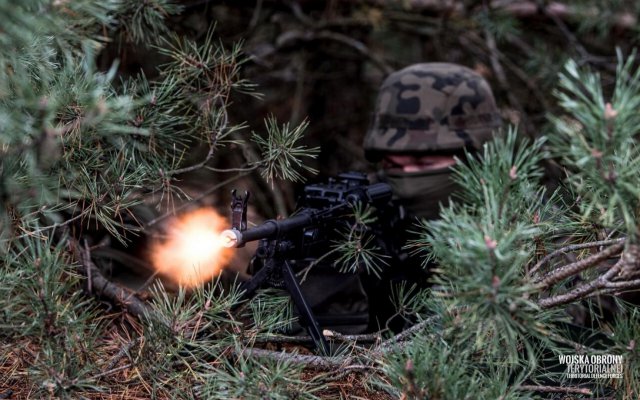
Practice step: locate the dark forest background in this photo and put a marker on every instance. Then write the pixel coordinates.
(324, 60)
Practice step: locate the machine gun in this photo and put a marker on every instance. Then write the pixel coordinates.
(322, 210)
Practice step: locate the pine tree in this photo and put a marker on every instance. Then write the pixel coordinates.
(86, 150)
(502, 279)
(82, 151)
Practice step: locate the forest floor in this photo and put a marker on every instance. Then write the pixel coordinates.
(22, 367)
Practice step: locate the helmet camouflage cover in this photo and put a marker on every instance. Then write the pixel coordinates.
(432, 106)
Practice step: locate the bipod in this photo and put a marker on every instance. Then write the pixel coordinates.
(277, 273)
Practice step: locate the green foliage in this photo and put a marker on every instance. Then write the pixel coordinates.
(482, 248)
(596, 141)
(255, 379)
(77, 146)
(81, 151)
(182, 332)
(37, 281)
(271, 311)
(485, 245)
(626, 336)
(206, 72)
(185, 331)
(42, 301)
(356, 249)
(68, 25)
(428, 368)
(144, 22)
(281, 153)
(500, 24)
(411, 302)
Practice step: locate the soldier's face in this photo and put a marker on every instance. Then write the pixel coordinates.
(416, 163)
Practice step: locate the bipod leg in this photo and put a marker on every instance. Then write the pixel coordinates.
(257, 280)
(307, 319)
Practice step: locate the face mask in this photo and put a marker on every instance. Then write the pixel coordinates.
(421, 192)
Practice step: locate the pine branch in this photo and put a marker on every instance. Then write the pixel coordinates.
(629, 261)
(57, 225)
(559, 274)
(282, 153)
(573, 247)
(111, 371)
(213, 142)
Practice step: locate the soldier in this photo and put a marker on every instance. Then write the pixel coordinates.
(425, 116)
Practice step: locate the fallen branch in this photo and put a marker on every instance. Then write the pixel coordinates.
(626, 285)
(103, 287)
(333, 336)
(404, 335)
(363, 361)
(556, 389)
(124, 351)
(113, 371)
(307, 361)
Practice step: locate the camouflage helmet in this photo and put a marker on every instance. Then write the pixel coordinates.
(431, 106)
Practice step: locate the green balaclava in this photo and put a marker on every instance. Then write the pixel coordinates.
(422, 192)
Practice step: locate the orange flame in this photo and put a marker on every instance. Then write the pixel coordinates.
(193, 252)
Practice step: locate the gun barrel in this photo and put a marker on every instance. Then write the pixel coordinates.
(269, 229)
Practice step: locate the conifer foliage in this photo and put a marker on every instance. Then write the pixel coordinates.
(84, 149)
(81, 150)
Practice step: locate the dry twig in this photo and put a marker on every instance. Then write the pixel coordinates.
(335, 336)
(556, 389)
(308, 361)
(112, 291)
(362, 361)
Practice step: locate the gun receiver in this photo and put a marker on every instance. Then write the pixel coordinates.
(322, 209)
(338, 201)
